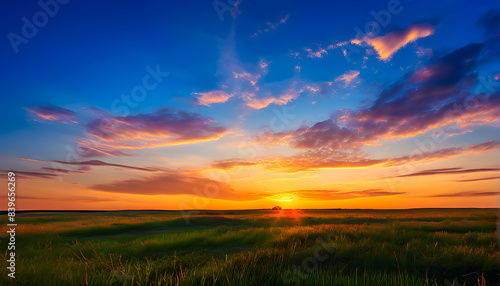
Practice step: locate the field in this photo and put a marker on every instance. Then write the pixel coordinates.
(258, 247)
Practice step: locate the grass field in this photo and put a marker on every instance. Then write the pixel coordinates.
(260, 247)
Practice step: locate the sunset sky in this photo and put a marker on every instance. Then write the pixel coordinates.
(202, 105)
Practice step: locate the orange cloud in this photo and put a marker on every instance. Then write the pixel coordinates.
(386, 46)
(215, 96)
(324, 158)
(176, 183)
(348, 77)
(255, 102)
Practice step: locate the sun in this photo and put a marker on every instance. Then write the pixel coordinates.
(285, 198)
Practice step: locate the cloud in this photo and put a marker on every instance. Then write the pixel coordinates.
(270, 26)
(94, 149)
(229, 164)
(95, 163)
(255, 102)
(327, 158)
(243, 80)
(479, 179)
(252, 78)
(348, 77)
(184, 183)
(490, 22)
(340, 195)
(215, 96)
(176, 183)
(449, 171)
(466, 194)
(318, 53)
(31, 175)
(404, 110)
(444, 153)
(386, 46)
(53, 113)
(81, 170)
(82, 199)
(164, 127)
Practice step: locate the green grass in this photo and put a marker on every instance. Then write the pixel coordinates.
(310, 247)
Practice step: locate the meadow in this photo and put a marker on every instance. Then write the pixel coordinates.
(257, 247)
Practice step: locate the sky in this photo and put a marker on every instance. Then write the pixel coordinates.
(250, 104)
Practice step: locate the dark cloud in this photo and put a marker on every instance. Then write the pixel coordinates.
(95, 163)
(479, 179)
(466, 194)
(31, 175)
(449, 171)
(83, 169)
(68, 199)
(490, 22)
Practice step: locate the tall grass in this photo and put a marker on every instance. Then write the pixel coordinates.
(259, 248)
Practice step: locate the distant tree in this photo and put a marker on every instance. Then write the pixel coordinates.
(276, 208)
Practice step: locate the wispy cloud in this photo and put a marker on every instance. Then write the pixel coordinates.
(466, 194)
(31, 175)
(348, 77)
(270, 26)
(328, 195)
(94, 163)
(479, 179)
(53, 113)
(176, 183)
(449, 171)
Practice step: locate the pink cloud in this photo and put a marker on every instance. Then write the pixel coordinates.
(164, 127)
